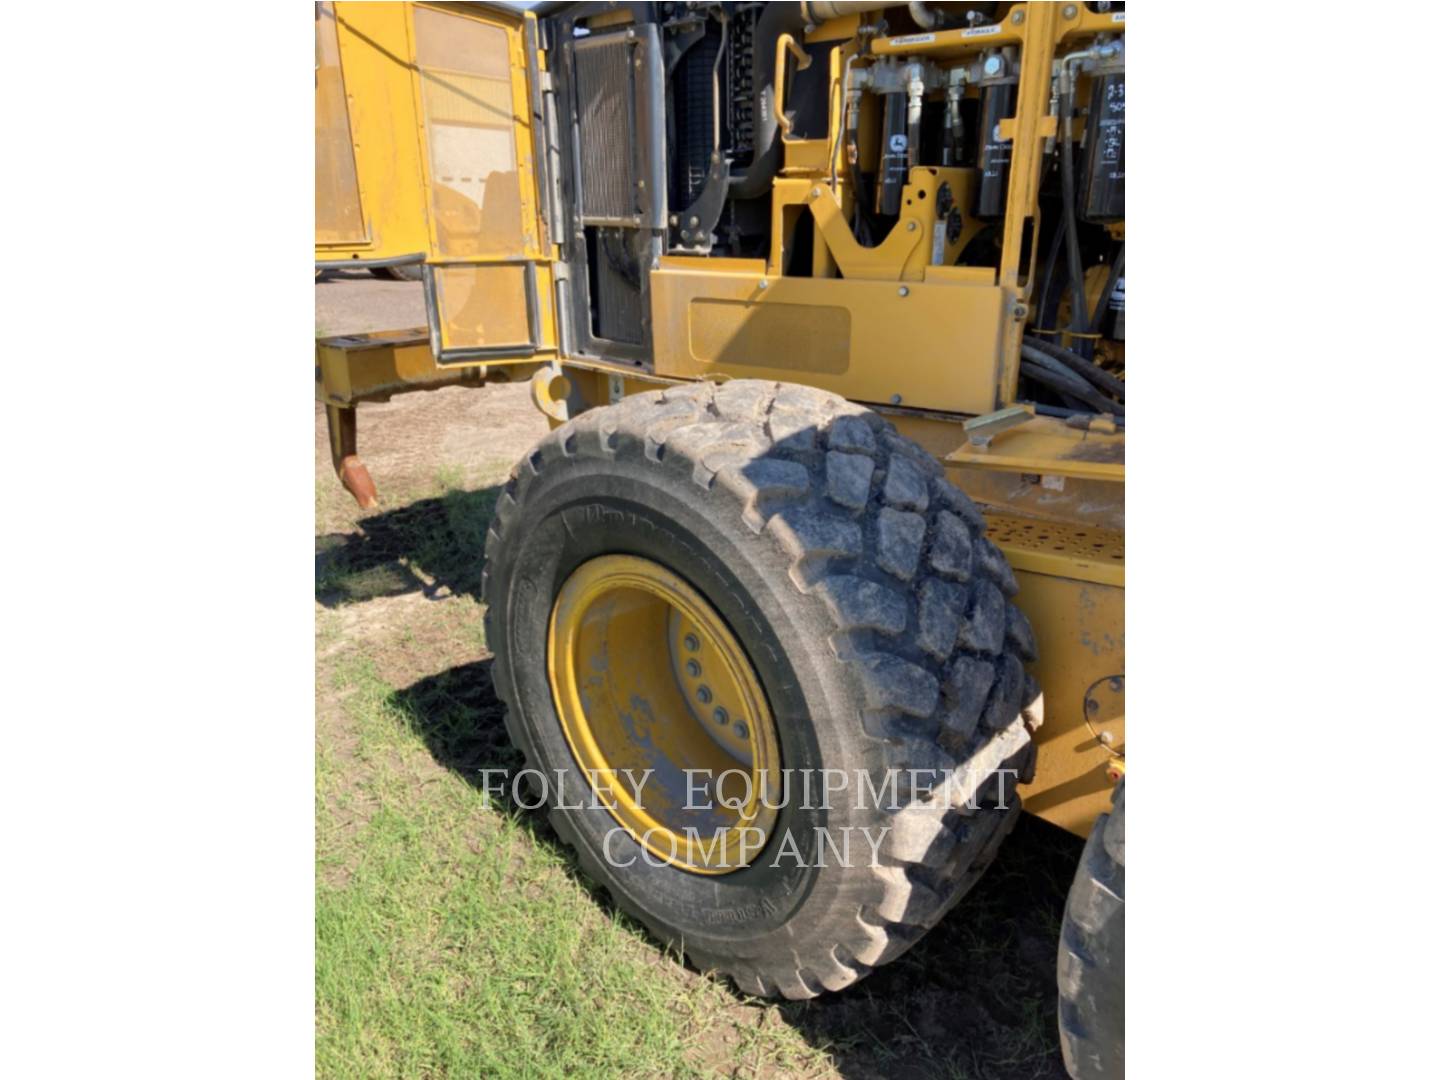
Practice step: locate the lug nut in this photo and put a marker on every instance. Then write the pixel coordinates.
(703, 693)
(741, 731)
(692, 642)
(721, 716)
(692, 668)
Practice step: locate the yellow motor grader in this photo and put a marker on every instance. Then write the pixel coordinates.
(824, 303)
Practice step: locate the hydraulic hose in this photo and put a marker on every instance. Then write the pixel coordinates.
(1062, 413)
(1097, 376)
(1047, 279)
(1049, 371)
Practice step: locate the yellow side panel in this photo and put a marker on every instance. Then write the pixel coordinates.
(468, 103)
(473, 320)
(914, 343)
(369, 193)
(338, 217)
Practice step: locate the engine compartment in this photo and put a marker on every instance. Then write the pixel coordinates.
(699, 134)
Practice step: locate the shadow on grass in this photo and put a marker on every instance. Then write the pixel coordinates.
(975, 998)
(431, 546)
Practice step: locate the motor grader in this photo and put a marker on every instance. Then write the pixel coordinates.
(824, 303)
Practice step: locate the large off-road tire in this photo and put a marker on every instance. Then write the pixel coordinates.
(1092, 954)
(876, 616)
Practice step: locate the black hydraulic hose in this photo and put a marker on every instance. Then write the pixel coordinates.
(1078, 390)
(1101, 379)
(1062, 413)
(867, 229)
(1060, 375)
(1050, 372)
(1079, 309)
(1047, 278)
(1089, 401)
(1117, 270)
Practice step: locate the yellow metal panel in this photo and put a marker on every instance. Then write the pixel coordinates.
(872, 340)
(1081, 552)
(377, 102)
(338, 218)
(473, 319)
(490, 266)
(469, 112)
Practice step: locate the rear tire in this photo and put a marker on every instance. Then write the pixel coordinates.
(1092, 954)
(876, 617)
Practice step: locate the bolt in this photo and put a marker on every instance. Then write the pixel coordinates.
(692, 668)
(1069, 11)
(1019, 311)
(814, 193)
(1018, 18)
(694, 221)
(992, 65)
(895, 399)
(721, 716)
(692, 643)
(910, 226)
(741, 731)
(704, 694)
(764, 284)
(904, 290)
(674, 219)
(1106, 738)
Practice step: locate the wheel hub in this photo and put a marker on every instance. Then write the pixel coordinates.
(664, 713)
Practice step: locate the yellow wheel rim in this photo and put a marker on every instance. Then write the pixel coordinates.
(664, 713)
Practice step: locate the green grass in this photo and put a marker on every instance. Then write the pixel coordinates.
(450, 942)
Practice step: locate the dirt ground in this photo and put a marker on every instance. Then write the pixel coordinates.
(397, 590)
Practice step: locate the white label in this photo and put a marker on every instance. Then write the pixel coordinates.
(912, 39)
(1052, 483)
(981, 31)
(937, 247)
(1119, 16)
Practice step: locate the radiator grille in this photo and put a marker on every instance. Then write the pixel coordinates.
(605, 87)
(617, 288)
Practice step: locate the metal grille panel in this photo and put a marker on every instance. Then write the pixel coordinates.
(605, 88)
